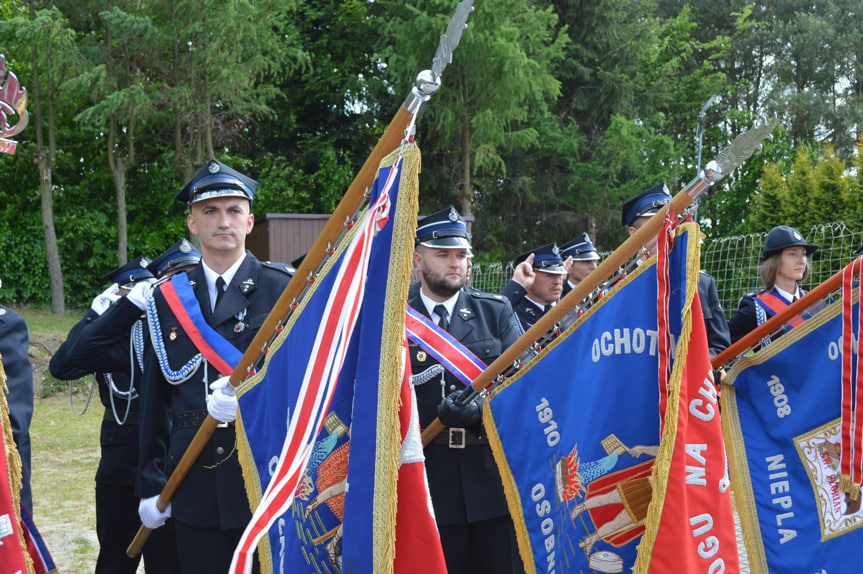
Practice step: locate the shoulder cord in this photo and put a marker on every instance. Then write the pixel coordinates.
(761, 317)
(89, 397)
(172, 376)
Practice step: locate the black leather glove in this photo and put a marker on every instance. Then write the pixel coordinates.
(453, 414)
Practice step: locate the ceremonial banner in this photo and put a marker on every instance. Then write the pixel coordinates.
(319, 427)
(577, 432)
(13, 549)
(782, 419)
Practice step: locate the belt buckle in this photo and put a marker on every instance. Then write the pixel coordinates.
(456, 438)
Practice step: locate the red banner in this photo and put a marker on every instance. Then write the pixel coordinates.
(690, 527)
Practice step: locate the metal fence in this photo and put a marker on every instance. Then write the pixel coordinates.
(733, 261)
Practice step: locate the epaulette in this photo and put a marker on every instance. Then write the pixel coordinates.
(283, 267)
(484, 295)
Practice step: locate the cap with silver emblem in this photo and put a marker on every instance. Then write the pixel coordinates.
(444, 229)
(545, 258)
(180, 254)
(645, 203)
(217, 180)
(127, 275)
(580, 249)
(782, 237)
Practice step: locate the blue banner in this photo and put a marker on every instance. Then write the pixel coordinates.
(328, 526)
(575, 433)
(782, 427)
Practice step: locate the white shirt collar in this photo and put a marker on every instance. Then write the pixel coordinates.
(788, 296)
(431, 304)
(540, 305)
(228, 276)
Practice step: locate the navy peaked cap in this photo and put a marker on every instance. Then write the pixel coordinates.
(580, 249)
(130, 273)
(645, 203)
(781, 237)
(180, 254)
(545, 258)
(443, 229)
(216, 179)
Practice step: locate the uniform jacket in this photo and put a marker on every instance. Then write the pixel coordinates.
(465, 483)
(213, 493)
(14, 342)
(527, 312)
(718, 338)
(100, 345)
(746, 318)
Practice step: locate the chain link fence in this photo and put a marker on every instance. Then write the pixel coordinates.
(733, 261)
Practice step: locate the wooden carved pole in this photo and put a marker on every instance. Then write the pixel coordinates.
(427, 84)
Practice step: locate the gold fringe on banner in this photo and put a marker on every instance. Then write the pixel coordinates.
(662, 465)
(13, 464)
(404, 222)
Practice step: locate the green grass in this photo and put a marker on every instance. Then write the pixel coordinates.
(46, 325)
(65, 456)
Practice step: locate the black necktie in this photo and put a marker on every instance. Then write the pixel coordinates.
(441, 312)
(220, 291)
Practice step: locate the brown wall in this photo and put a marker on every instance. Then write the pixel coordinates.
(283, 237)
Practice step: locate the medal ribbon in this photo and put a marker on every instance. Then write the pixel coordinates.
(215, 348)
(851, 459)
(455, 357)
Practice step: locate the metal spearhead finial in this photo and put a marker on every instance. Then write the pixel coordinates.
(449, 41)
(731, 157)
(428, 82)
(739, 150)
(13, 101)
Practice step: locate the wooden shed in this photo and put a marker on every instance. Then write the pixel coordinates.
(283, 237)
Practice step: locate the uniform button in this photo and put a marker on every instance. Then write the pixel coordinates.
(220, 450)
(452, 387)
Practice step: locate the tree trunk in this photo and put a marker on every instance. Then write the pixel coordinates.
(44, 160)
(55, 272)
(118, 171)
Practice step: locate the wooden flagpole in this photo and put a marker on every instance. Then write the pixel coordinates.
(727, 161)
(426, 85)
(785, 315)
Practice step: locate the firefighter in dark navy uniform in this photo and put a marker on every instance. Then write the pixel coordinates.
(14, 342)
(475, 526)
(537, 283)
(580, 256)
(230, 293)
(784, 262)
(635, 212)
(116, 503)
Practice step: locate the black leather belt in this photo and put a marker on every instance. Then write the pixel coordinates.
(130, 419)
(188, 419)
(454, 437)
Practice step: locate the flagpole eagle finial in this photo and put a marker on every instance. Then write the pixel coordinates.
(13, 101)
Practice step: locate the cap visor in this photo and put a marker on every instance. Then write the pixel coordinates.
(447, 243)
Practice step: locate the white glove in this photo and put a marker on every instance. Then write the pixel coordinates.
(140, 294)
(102, 301)
(222, 403)
(151, 516)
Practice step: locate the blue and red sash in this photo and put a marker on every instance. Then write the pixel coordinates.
(455, 357)
(185, 307)
(773, 303)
